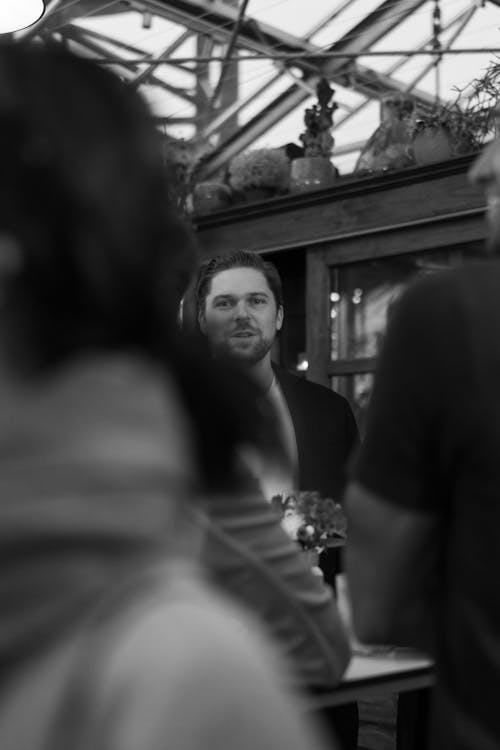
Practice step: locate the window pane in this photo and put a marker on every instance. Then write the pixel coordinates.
(362, 294)
(357, 390)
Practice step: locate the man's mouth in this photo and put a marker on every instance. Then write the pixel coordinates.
(243, 334)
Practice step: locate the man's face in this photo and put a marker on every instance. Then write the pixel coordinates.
(240, 318)
(485, 172)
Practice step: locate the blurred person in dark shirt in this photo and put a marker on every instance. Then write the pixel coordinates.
(423, 506)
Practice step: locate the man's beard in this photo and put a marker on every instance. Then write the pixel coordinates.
(241, 356)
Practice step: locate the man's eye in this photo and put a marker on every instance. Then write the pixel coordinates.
(222, 303)
(259, 301)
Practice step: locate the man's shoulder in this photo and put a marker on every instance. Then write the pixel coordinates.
(293, 384)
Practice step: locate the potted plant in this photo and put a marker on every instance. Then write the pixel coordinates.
(463, 125)
(183, 161)
(209, 196)
(390, 145)
(444, 131)
(260, 173)
(315, 169)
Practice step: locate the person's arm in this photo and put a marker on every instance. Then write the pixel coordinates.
(184, 678)
(390, 560)
(397, 501)
(252, 558)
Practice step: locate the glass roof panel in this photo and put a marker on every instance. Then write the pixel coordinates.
(287, 130)
(129, 28)
(344, 22)
(253, 75)
(465, 25)
(360, 125)
(345, 163)
(261, 101)
(162, 101)
(130, 34)
(289, 15)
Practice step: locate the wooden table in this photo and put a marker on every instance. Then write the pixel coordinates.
(370, 675)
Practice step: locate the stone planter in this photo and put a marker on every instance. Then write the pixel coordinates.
(432, 145)
(311, 173)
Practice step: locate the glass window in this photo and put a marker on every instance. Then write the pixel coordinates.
(357, 389)
(361, 296)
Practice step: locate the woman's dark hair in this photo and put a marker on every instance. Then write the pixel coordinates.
(230, 414)
(238, 259)
(83, 193)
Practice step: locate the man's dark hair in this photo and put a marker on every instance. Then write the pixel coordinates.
(238, 259)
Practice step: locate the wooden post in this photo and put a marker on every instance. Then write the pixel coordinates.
(317, 316)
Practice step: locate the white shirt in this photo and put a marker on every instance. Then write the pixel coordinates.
(277, 480)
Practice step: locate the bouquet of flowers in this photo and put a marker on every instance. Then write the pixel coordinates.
(310, 519)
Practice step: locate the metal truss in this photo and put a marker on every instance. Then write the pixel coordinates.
(224, 24)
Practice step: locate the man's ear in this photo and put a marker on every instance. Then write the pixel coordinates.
(279, 318)
(202, 322)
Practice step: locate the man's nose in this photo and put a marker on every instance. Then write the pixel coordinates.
(242, 309)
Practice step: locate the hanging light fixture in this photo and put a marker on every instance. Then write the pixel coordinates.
(18, 14)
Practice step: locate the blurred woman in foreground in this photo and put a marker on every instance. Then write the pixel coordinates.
(109, 638)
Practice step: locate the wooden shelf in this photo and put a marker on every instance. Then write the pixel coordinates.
(436, 198)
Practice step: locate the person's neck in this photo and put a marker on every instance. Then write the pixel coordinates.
(262, 373)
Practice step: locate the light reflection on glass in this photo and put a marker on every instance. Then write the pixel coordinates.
(362, 296)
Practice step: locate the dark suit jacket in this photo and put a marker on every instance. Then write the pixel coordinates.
(325, 431)
(326, 435)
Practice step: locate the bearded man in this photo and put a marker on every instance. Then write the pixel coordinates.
(240, 312)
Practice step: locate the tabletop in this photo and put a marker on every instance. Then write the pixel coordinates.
(379, 671)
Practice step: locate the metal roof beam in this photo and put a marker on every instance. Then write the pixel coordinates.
(212, 17)
(70, 10)
(93, 34)
(79, 36)
(217, 18)
(259, 36)
(461, 20)
(148, 71)
(329, 18)
(370, 30)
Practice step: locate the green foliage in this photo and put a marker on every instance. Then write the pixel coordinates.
(260, 168)
(471, 118)
(465, 128)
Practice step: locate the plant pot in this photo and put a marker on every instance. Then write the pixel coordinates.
(258, 194)
(211, 196)
(311, 173)
(432, 145)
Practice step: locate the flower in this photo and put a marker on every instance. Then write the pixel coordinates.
(310, 519)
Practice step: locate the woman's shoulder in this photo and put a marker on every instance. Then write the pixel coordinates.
(194, 669)
(184, 624)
